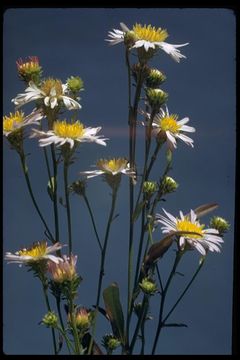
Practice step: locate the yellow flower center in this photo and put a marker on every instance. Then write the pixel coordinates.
(37, 250)
(149, 33)
(186, 225)
(169, 123)
(10, 121)
(65, 130)
(49, 84)
(113, 165)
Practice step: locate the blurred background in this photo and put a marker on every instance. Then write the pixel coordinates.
(202, 87)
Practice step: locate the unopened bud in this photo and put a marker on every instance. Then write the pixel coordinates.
(148, 286)
(156, 97)
(110, 342)
(219, 224)
(75, 84)
(169, 185)
(155, 78)
(50, 319)
(150, 187)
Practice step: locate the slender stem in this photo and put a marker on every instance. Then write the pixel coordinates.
(74, 328)
(44, 286)
(65, 174)
(93, 221)
(69, 345)
(62, 328)
(55, 198)
(25, 171)
(141, 318)
(132, 147)
(164, 293)
(153, 158)
(102, 265)
(184, 292)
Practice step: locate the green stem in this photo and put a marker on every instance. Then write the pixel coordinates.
(65, 174)
(44, 286)
(55, 198)
(102, 265)
(141, 318)
(74, 328)
(93, 221)
(62, 329)
(184, 292)
(164, 293)
(69, 345)
(25, 171)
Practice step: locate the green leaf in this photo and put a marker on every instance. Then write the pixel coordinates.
(138, 210)
(51, 188)
(114, 310)
(205, 209)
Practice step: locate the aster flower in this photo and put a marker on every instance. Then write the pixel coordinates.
(52, 91)
(30, 69)
(37, 252)
(167, 125)
(147, 37)
(17, 120)
(202, 241)
(114, 166)
(64, 132)
(64, 270)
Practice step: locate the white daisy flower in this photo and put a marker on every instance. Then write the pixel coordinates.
(165, 124)
(38, 252)
(148, 37)
(203, 240)
(114, 166)
(64, 132)
(52, 91)
(17, 120)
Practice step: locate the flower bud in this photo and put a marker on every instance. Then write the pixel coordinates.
(130, 38)
(140, 71)
(83, 319)
(156, 97)
(168, 185)
(50, 319)
(219, 224)
(148, 286)
(110, 342)
(29, 70)
(155, 78)
(75, 84)
(150, 187)
(78, 187)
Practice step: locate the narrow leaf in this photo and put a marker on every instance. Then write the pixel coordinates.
(51, 187)
(205, 209)
(114, 310)
(138, 210)
(175, 325)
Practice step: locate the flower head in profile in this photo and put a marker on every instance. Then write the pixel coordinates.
(64, 270)
(51, 91)
(38, 252)
(29, 69)
(202, 239)
(167, 127)
(147, 37)
(114, 166)
(15, 121)
(71, 133)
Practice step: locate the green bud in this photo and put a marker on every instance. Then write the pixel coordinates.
(110, 342)
(75, 84)
(129, 38)
(78, 187)
(155, 78)
(140, 71)
(168, 185)
(50, 319)
(150, 187)
(219, 224)
(148, 286)
(156, 97)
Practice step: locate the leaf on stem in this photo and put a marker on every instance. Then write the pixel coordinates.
(138, 210)
(51, 188)
(175, 325)
(114, 310)
(205, 209)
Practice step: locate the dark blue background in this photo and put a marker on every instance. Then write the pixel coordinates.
(202, 87)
